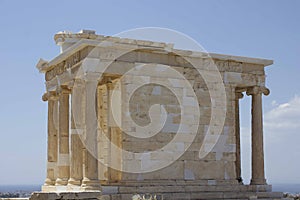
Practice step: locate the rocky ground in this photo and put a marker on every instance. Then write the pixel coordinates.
(293, 196)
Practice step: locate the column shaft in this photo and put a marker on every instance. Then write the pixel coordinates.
(258, 174)
(76, 167)
(52, 140)
(238, 135)
(90, 180)
(258, 171)
(63, 154)
(109, 128)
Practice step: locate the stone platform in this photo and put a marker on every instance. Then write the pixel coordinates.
(65, 195)
(168, 192)
(194, 192)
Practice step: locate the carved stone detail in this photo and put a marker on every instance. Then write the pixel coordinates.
(258, 90)
(67, 64)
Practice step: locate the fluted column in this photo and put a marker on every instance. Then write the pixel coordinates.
(63, 153)
(52, 145)
(258, 172)
(238, 96)
(90, 167)
(76, 164)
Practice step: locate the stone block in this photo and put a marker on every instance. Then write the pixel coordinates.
(65, 195)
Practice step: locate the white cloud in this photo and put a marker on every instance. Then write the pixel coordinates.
(284, 116)
(274, 103)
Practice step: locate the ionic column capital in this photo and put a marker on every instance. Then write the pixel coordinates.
(70, 85)
(63, 89)
(239, 95)
(45, 97)
(51, 95)
(257, 90)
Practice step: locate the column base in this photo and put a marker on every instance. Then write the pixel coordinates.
(48, 188)
(49, 182)
(61, 181)
(258, 182)
(74, 182)
(90, 184)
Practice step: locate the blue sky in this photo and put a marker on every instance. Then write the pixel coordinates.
(267, 29)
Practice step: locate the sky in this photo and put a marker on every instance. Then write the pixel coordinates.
(265, 29)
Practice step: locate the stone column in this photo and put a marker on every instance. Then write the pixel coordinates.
(109, 128)
(90, 167)
(258, 172)
(76, 165)
(63, 153)
(238, 96)
(52, 99)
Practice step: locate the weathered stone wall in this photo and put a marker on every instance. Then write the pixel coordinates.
(219, 164)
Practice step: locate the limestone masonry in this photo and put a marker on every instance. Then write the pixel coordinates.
(130, 117)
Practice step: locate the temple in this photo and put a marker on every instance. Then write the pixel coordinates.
(130, 117)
